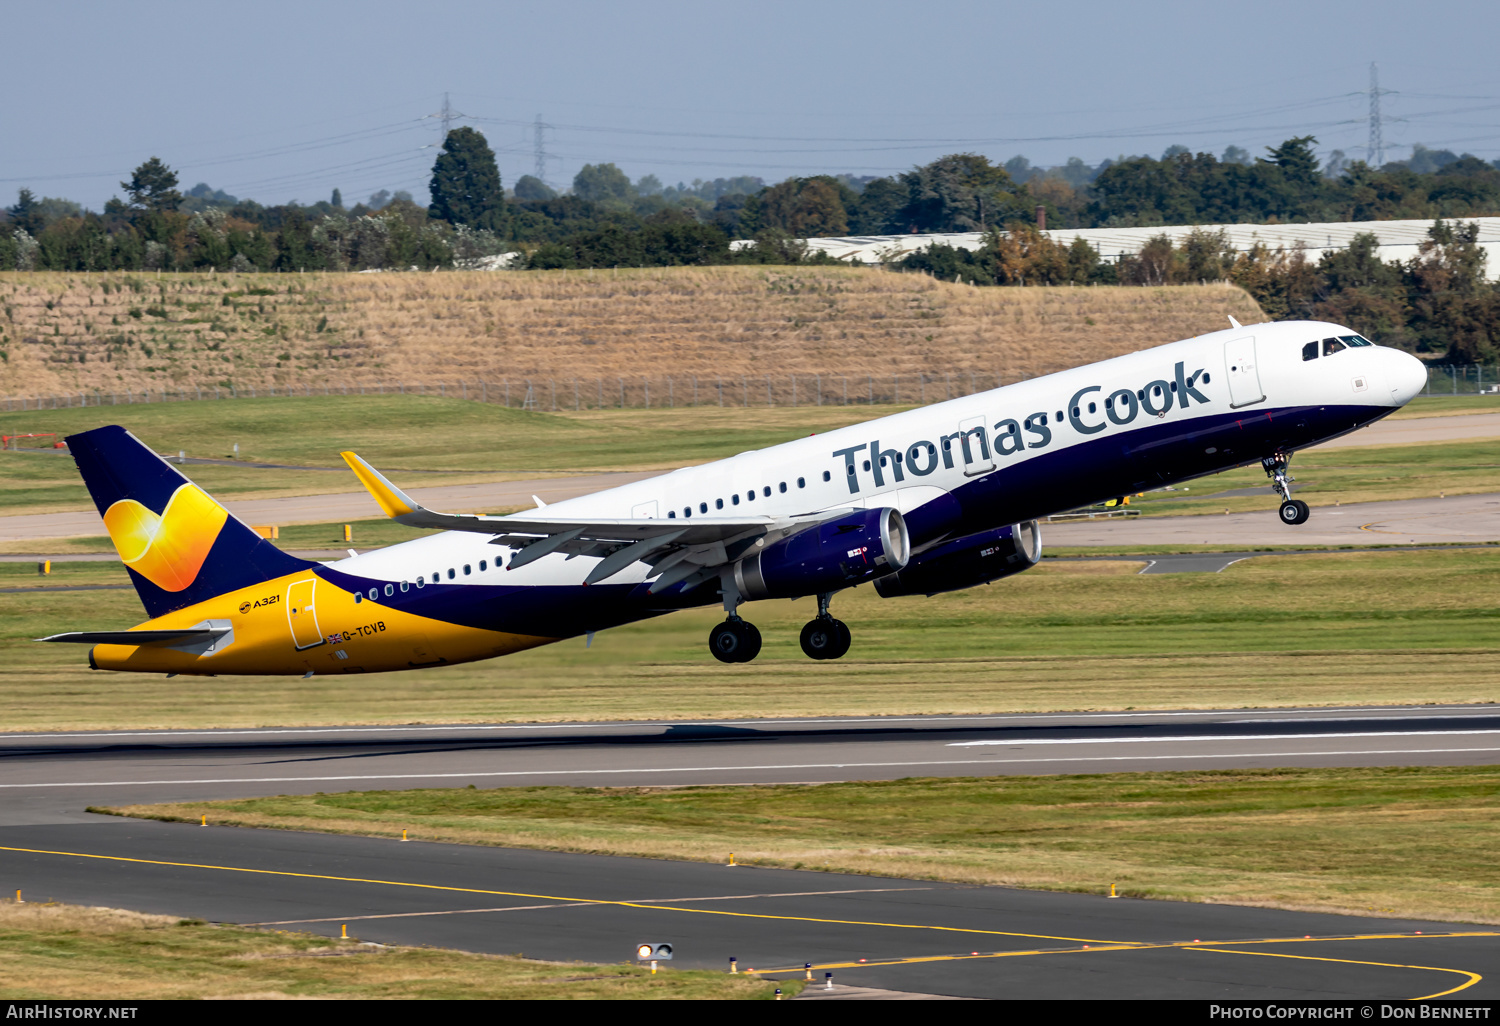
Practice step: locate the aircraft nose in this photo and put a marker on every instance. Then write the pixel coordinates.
(1407, 376)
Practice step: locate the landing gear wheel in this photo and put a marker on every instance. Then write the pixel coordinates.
(1295, 511)
(825, 638)
(734, 641)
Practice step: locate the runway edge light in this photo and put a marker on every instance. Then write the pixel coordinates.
(653, 951)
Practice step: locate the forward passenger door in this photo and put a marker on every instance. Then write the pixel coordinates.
(1242, 373)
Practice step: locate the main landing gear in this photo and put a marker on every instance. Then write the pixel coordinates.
(734, 640)
(824, 637)
(1293, 511)
(738, 641)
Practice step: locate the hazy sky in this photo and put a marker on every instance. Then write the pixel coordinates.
(280, 101)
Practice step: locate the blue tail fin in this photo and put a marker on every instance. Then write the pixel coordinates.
(179, 545)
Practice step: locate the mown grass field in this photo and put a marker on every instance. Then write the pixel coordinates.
(1409, 841)
(68, 952)
(1373, 473)
(424, 440)
(418, 440)
(1336, 628)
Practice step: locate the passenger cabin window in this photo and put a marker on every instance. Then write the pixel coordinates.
(390, 589)
(735, 498)
(406, 586)
(483, 565)
(1310, 351)
(374, 594)
(767, 490)
(421, 582)
(802, 481)
(687, 511)
(1331, 346)
(358, 597)
(467, 570)
(451, 574)
(783, 484)
(702, 507)
(827, 476)
(750, 495)
(718, 504)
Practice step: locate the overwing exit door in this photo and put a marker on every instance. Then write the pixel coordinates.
(974, 446)
(1243, 375)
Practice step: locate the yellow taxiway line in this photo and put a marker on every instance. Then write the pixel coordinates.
(1091, 945)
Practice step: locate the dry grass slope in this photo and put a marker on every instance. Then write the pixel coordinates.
(109, 332)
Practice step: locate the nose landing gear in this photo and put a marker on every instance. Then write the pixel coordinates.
(1293, 511)
(823, 637)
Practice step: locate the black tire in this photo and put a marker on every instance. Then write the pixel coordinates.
(734, 641)
(818, 638)
(752, 642)
(825, 638)
(844, 640)
(1294, 512)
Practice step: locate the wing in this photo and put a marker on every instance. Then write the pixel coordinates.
(678, 551)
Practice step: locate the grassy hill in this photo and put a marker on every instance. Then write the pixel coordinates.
(109, 332)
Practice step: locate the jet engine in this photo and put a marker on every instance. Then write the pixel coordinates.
(965, 562)
(850, 550)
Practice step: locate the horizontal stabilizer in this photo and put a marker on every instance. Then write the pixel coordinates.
(137, 637)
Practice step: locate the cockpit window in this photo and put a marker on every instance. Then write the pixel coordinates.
(1354, 341)
(1331, 346)
(1310, 351)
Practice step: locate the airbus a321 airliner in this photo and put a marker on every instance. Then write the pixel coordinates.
(931, 500)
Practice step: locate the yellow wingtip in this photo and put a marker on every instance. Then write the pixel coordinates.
(390, 499)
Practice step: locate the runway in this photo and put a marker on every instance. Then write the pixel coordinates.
(47, 777)
(911, 935)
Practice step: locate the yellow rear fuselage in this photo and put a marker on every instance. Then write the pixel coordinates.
(302, 623)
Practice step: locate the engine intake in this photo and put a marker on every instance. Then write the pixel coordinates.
(965, 562)
(859, 547)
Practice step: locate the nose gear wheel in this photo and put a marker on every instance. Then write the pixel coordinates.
(1293, 511)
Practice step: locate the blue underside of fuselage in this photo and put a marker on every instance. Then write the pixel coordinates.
(1118, 463)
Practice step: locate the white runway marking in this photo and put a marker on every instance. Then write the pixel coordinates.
(1211, 737)
(741, 769)
(414, 729)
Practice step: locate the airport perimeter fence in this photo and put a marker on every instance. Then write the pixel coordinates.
(642, 392)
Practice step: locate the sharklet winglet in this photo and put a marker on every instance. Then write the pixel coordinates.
(393, 501)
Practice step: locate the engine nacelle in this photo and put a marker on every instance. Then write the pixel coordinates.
(864, 545)
(965, 562)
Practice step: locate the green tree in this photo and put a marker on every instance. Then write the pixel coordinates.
(337, 198)
(962, 192)
(531, 189)
(602, 183)
(1296, 159)
(806, 207)
(26, 214)
(153, 187)
(466, 182)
